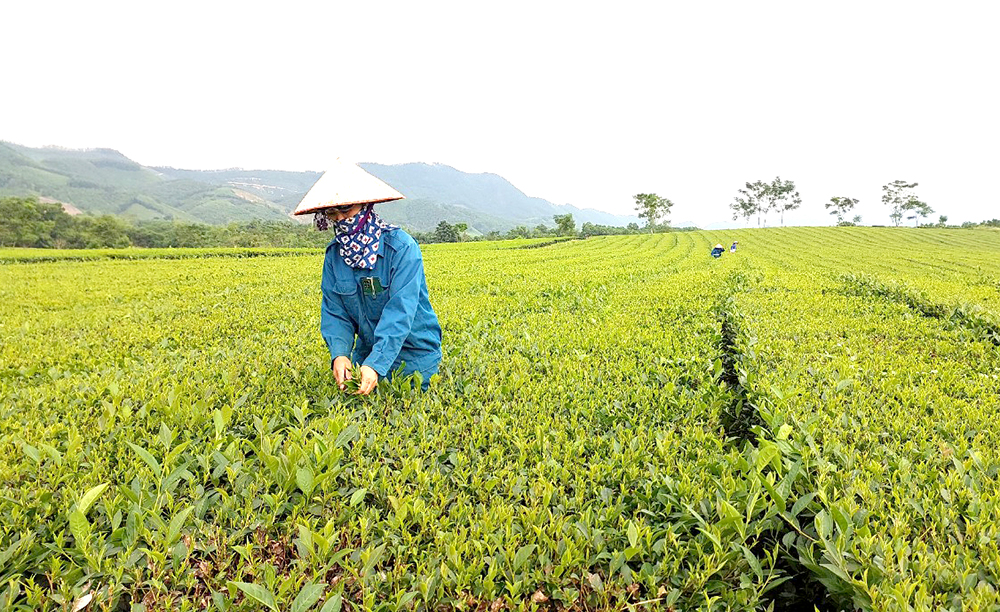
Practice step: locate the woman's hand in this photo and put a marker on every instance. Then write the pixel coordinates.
(342, 370)
(369, 378)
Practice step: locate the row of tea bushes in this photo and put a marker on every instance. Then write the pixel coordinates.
(171, 439)
(896, 415)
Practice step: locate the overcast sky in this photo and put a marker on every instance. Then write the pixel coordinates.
(574, 104)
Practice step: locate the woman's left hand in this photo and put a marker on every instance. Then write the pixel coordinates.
(368, 380)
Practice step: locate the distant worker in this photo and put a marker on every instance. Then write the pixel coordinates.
(718, 251)
(375, 311)
(732, 249)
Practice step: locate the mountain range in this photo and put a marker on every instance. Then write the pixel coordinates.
(103, 181)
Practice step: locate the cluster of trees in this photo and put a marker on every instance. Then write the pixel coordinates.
(457, 232)
(985, 223)
(760, 199)
(448, 232)
(651, 207)
(898, 195)
(256, 233)
(595, 229)
(26, 222)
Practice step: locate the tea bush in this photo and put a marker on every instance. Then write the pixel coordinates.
(619, 422)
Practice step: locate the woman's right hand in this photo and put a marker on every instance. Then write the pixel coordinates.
(342, 370)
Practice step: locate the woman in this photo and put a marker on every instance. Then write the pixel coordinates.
(375, 311)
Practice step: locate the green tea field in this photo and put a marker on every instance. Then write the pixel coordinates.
(620, 423)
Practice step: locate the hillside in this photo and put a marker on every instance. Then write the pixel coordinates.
(103, 181)
(483, 194)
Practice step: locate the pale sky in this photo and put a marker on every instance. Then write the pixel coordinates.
(577, 102)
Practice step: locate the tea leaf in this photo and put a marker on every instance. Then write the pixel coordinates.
(347, 436)
(176, 524)
(522, 554)
(79, 526)
(257, 593)
(308, 596)
(147, 458)
(333, 604)
(88, 498)
(633, 534)
(304, 480)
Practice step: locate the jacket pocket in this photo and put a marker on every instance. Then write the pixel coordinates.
(372, 305)
(345, 288)
(347, 293)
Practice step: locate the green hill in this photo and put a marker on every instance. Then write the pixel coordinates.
(466, 197)
(103, 181)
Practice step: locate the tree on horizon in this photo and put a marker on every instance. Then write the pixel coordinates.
(841, 206)
(651, 207)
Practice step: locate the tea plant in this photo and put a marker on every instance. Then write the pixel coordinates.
(619, 423)
(897, 412)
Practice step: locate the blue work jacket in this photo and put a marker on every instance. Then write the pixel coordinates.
(397, 325)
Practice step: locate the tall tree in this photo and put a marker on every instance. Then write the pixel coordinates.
(520, 231)
(782, 197)
(899, 196)
(565, 225)
(750, 201)
(917, 210)
(841, 206)
(651, 207)
(445, 232)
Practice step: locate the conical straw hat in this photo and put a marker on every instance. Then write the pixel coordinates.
(345, 183)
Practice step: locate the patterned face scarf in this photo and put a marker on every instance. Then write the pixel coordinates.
(359, 237)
